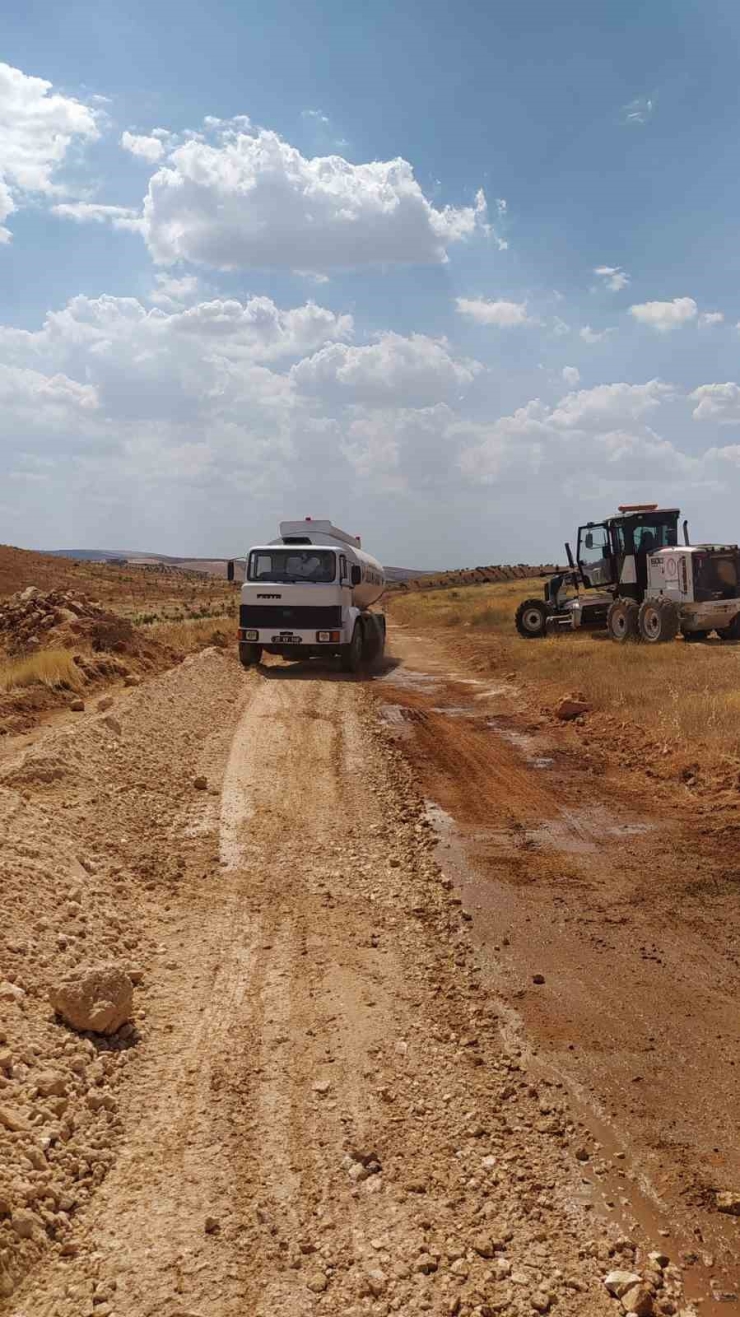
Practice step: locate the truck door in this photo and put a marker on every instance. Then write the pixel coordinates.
(594, 556)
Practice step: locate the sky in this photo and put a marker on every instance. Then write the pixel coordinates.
(456, 277)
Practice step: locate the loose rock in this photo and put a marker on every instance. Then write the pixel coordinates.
(97, 998)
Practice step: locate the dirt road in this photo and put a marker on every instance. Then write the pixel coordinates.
(321, 1108)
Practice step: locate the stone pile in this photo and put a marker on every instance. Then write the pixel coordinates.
(32, 619)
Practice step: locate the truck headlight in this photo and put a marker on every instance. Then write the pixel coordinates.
(251, 635)
(328, 637)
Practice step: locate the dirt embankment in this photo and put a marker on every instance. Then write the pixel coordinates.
(315, 1110)
(58, 648)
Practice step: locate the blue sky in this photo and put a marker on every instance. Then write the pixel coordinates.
(221, 303)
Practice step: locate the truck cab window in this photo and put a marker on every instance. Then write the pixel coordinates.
(283, 566)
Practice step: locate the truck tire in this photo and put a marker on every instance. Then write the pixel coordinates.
(731, 632)
(531, 618)
(249, 655)
(621, 620)
(374, 637)
(657, 621)
(354, 652)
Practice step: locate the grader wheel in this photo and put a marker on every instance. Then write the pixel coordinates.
(531, 619)
(657, 621)
(621, 620)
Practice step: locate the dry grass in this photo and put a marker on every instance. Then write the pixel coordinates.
(687, 692)
(53, 668)
(187, 637)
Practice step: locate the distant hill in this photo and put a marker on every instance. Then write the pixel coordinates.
(214, 566)
(131, 586)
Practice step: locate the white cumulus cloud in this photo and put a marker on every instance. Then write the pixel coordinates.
(571, 375)
(149, 147)
(613, 276)
(665, 316)
(504, 314)
(251, 199)
(38, 128)
(412, 371)
(172, 292)
(92, 212)
(590, 335)
(609, 403)
(709, 318)
(599, 433)
(717, 402)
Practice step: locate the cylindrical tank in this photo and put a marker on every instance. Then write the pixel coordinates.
(311, 531)
(372, 584)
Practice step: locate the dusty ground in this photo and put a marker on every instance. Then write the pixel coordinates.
(328, 1101)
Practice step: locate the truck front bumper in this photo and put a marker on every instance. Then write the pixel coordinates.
(299, 643)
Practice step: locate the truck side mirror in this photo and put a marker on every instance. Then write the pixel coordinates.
(356, 575)
(230, 570)
(589, 540)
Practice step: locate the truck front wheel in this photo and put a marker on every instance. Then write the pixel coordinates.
(249, 655)
(353, 653)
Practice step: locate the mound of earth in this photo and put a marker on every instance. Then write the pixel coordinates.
(33, 620)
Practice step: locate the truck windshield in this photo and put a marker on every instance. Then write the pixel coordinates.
(292, 565)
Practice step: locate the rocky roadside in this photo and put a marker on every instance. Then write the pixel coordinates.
(85, 870)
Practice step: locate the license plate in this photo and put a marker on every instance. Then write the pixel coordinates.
(286, 640)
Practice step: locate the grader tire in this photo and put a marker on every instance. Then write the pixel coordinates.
(531, 619)
(621, 620)
(657, 621)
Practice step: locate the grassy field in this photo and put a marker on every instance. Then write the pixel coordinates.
(685, 692)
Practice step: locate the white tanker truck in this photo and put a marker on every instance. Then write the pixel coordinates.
(309, 594)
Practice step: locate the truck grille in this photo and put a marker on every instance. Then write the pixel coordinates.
(288, 618)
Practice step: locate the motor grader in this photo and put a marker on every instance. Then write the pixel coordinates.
(633, 579)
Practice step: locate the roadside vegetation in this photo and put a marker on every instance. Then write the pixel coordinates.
(54, 668)
(687, 692)
(190, 634)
